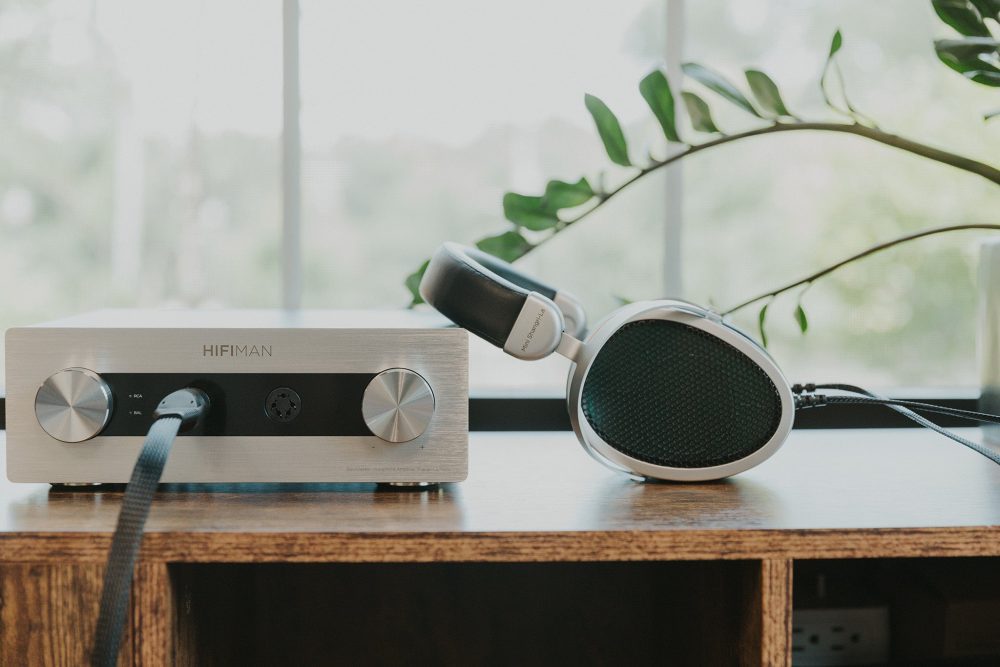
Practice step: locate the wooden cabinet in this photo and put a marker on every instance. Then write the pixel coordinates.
(541, 557)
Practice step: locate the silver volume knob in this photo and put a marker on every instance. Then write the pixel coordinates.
(73, 405)
(398, 405)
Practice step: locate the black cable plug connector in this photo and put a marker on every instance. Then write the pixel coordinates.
(803, 401)
(180, 411)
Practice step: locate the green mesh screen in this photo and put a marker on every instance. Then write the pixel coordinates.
(669, 394)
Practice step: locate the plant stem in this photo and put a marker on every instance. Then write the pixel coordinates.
(853, 258)
(988, 172)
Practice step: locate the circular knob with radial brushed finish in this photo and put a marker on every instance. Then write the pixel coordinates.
(398, 405)
(73, 405)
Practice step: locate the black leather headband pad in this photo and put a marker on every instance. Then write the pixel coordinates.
(472, 295)
(507, 270)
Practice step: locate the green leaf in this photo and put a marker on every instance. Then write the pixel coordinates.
(963, 16)
(761, 317)
(530, 212)
(655, 89)
(610, 130)
(541, 213)
(507, 246)
(413, 284)
(766, 92)
(835, 44)
(985, 77)
(988, 9)
(560, 194)
(719, 84)
(976, 58)
(800, 318)
(698, 111)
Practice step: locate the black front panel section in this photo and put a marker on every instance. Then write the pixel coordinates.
(330, 403)
(673, 395)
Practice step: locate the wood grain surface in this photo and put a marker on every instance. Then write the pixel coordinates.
(538, 497)
(48, 614)
(541, 556)
(766, 630)
(153, 613)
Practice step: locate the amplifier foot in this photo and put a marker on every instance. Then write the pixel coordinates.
(409, 485)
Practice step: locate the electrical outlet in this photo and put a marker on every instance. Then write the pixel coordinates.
(840, 636)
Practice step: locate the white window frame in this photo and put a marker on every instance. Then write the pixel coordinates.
(673, 224)
(291, 160)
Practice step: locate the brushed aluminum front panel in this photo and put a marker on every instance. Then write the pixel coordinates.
(440, 454)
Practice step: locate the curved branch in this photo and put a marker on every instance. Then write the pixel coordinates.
(986, 171)
(853, 258)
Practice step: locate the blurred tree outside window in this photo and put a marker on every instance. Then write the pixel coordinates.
(140, 164)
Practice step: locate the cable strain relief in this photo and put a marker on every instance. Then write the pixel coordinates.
(189, 404)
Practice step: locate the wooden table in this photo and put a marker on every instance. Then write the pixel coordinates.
(540, 555)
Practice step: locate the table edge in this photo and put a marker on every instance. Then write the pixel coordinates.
(513, 546)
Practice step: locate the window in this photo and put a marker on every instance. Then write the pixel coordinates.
(139, 149)
(770, 211)
(141, 160)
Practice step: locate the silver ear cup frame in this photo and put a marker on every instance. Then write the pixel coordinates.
(697, 317)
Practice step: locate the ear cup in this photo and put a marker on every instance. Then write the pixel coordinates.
(670, 394)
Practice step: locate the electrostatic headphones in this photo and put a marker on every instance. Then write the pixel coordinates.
(659, 389)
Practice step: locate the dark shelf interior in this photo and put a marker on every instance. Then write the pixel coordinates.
(460, 614)
(941, 611)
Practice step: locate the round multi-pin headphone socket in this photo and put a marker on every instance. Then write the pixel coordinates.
(283, 405)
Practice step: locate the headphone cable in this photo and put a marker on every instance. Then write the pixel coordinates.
(805, 397)
(179, 412)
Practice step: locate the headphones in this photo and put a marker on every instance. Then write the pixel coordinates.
(659, 389)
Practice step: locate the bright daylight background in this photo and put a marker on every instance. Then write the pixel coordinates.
(140, 163)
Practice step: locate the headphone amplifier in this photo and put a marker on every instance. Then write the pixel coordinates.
(308, 396)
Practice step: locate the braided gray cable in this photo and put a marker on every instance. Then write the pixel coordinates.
(128, 537)
(178, 412)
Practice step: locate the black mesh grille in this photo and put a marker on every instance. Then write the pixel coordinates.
(669, 394)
